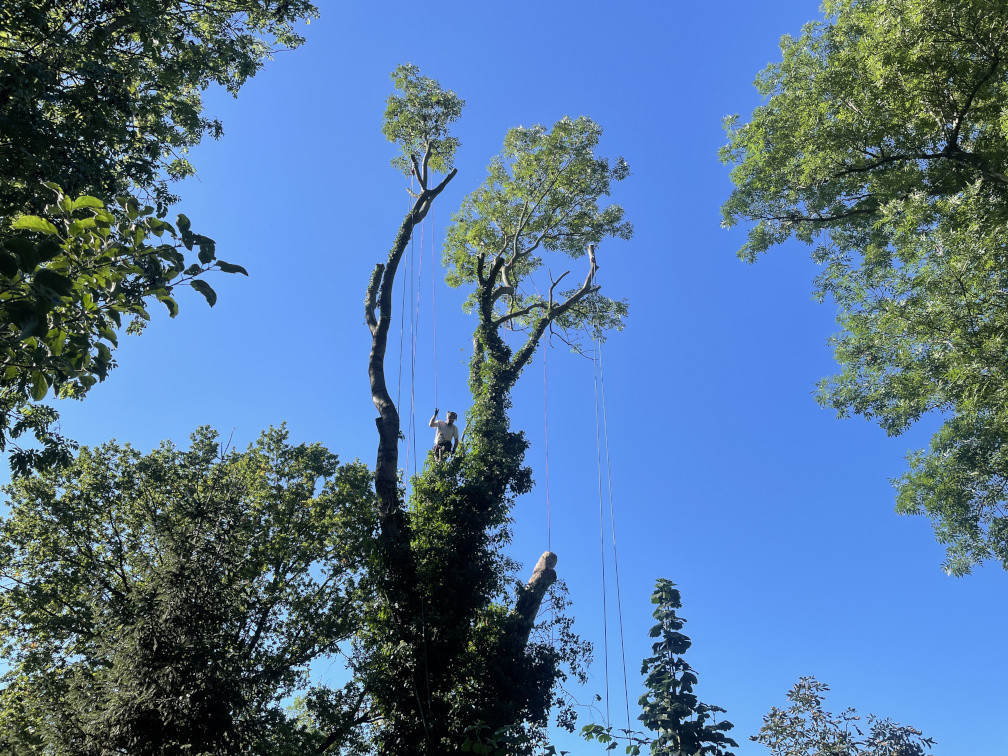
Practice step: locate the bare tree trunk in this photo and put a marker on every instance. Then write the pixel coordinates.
(379, 296)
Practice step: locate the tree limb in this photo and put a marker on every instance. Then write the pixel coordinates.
(530, 597)
(523, 355)
(379, 296)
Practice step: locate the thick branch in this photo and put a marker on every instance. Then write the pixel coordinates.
(379, 296)
(523, 355)
(530, 597)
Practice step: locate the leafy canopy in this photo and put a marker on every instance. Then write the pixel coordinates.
(104, 98)
(541, 195)
(175, 600)
(417, 120)
(68, 278)
(806, 728)
(882, 143)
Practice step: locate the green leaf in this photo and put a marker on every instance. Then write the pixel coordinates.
(204, 288)
(52, 280)
(86, 201)
(171, 304)
(183, 223)
(208, 248)
(39, 385)
(34, 223)
(47, 249)
(8, 264)
(227, 267)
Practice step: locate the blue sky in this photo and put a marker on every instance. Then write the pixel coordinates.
(774, 518)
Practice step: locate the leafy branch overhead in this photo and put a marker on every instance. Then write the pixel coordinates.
(106, 98)
(69, 278)
(882, 143)
(417, 120)
(541, 195)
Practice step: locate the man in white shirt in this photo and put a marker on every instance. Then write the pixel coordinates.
(447, 436)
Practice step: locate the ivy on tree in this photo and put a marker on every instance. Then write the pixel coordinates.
(450, 639)
(882, 143)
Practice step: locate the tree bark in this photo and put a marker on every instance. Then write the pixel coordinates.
(531, 596)
(379, 297)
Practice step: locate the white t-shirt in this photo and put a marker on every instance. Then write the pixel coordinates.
(445, 433)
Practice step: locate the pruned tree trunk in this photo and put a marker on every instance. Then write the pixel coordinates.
(378, 314)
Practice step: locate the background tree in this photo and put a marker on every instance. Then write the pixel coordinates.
(683, 725)
(66, 281)
(806, 728)
(103, 100)
(446, 642)
(882, 144)
(168, 602)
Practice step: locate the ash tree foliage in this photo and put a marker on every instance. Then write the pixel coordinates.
(682, 724)
(882, 143)
(99, 103)
(806, 729)
(172, 602)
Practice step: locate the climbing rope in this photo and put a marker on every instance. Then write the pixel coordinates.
(598, 454)
(434, 272)
(612, 530)
(549, 533)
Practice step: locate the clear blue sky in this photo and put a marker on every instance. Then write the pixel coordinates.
(775, 519)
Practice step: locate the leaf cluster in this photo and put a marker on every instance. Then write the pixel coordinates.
(683, 725)
(806, 728)
(541, 195)
(882, 143)
(69, 278)
(105, 97)
(417, 121)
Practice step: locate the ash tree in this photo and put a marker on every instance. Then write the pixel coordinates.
(450, 639)
(805, 727)
(151, 604)
(882, 144)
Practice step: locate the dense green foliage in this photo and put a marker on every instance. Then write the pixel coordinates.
(171, 602)
(541, 196)
(67, 280)
(104, 98)
(683, 725)
(806, 728)
(882, 143)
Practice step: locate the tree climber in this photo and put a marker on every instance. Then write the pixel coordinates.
(447, 436)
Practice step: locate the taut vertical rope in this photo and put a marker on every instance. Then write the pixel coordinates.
(598, 453)
(612, 526)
